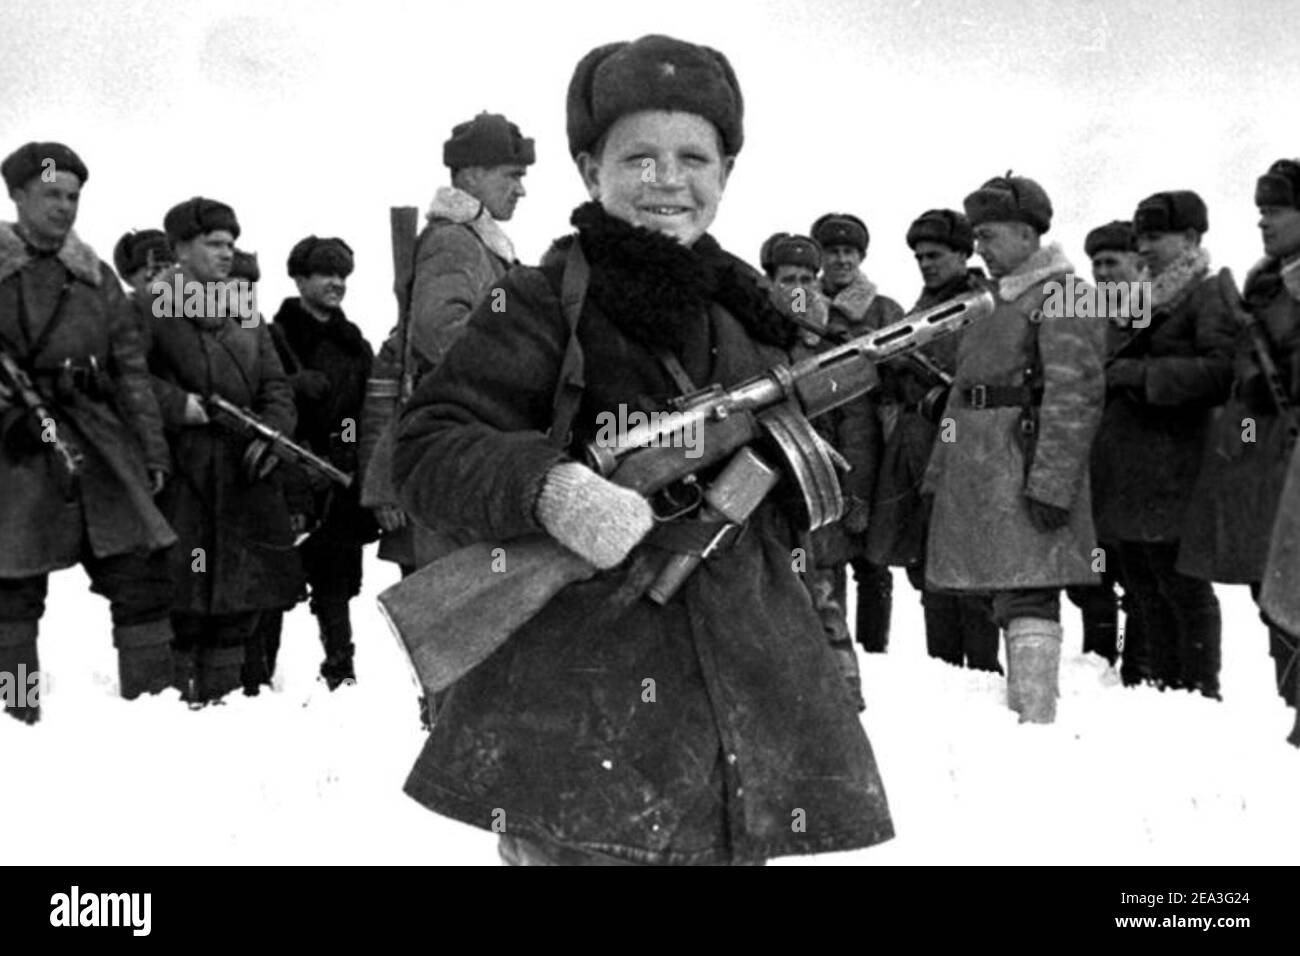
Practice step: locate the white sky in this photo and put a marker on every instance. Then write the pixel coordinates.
(316, 116)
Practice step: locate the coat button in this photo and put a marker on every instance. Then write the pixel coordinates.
(740, 791)
(731, 758)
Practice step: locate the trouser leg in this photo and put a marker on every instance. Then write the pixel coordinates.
(1197, 618)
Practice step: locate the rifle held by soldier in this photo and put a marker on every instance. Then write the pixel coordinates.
(14, 382)
(454, 612)
(284, 447)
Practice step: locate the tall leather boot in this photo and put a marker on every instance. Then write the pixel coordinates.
(219, 672)
(18, 661)
(144, 657)
(1033, 668)
(336, 638)
(875, 606)
(1101, 624)
(1294, 738)
(979, 635)
(1200, 626)
(942, 626)
(1285, 651)
(260, 652)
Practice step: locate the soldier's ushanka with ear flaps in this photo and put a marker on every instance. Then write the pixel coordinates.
(653, 73)
(1116, 236)
(316, 256)
(489, 139)
(198, 217)
(841, 229)
(31, 159)
(796, 251)
(1280, 186)
(1010, 199)
(944, 226)
(134, 249)
(1171, 211)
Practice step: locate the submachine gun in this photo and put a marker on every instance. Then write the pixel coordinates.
(457, 610)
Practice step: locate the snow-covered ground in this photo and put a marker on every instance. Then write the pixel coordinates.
(299, 775)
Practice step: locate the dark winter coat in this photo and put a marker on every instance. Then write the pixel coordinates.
(981, 535)
(119, 432)
(1148, 450)
(459, 256)
(897, 531)
(1232, 508)
(854, 429)
(750, 721)
(328, 364)
(242, 526)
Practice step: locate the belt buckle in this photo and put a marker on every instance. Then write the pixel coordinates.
(978, 396)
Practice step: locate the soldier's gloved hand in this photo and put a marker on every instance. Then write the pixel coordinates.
(594, 518)
(195, 413)
(259, 460)
(1126, 373)
(311, 384)
(856, 515)
(1047, 518)
(390, 517)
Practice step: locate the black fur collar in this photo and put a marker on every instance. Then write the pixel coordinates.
(652, 287)
(303, 329)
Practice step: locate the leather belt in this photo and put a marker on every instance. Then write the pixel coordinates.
(1000, 396)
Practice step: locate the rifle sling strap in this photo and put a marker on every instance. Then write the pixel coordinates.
(568, 390)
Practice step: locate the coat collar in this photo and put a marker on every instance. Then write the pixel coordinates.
(855, 298)
(1268, 267)
(1048, 261)
(1190, 267)
(76, 256)
(455, 205)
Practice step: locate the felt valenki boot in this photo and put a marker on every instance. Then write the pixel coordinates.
(1033, 668)
(144, 657)
(18, 661)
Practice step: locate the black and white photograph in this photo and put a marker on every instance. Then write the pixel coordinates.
(845, 433)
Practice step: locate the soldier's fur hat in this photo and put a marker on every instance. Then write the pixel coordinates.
(841, 229)
(653, 73)
(30, 160)
(315, 256)
(790, 250)
(1116, 236)
(489, 139)
(1010, 199)
(134, 249)
(1280, 186)
(244, 266)
(1171, 211)
(197, 217)
(944, 226)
